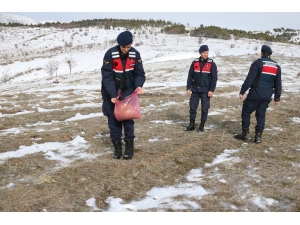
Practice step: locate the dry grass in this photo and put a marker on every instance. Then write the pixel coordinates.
(270, 169)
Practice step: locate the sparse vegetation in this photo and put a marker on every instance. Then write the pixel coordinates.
(281, 34)
(226, 34)
(175, 29)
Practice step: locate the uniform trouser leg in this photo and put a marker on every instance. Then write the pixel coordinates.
(260, 108)
(114, 125)
(205, 105)
(194, 102)
(128, 130)
(260, 115)
(115, 128)
(247, 110)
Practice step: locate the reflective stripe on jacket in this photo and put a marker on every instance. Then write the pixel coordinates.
(124, 77)
(202, 76)
(266, 78)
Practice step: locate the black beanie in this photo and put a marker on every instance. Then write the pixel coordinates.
(203, 48)
(124, 38)
(266, 49)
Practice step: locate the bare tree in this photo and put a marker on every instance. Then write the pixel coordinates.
(52, 67)
(71, 63)
(5, 76)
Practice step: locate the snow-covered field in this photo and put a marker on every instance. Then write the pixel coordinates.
(27, 51)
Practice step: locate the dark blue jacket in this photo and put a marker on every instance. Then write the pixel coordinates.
(264, 87)
(110, 86)
(208, 82)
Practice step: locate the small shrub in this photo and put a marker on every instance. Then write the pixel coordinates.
(217, 52)
(68, 44)
(112, 42)
(5, 76)
(139, 43)
(91, 45)
(200, 40)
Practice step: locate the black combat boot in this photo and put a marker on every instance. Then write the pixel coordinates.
(128, 150)
(118, 149)
(201, 127)
(257, 139)
(244, 135)
(191, 126)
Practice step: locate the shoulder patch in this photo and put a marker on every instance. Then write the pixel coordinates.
(140, 60)
(106, 62)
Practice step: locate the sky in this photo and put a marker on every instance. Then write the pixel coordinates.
(220, 13)
(66, 153)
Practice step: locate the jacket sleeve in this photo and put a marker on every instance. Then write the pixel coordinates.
(253, 71)
(277, 85)
(214, 77)
(190, 77)
(107, 72)
(139, 71)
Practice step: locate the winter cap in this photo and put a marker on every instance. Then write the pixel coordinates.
(266, 49)
(203, 48)
(124, 38)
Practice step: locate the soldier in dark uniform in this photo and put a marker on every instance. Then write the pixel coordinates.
(264, 80)
(201, 84)
(123, 71)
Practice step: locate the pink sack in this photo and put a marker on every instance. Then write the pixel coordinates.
(128, 108)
